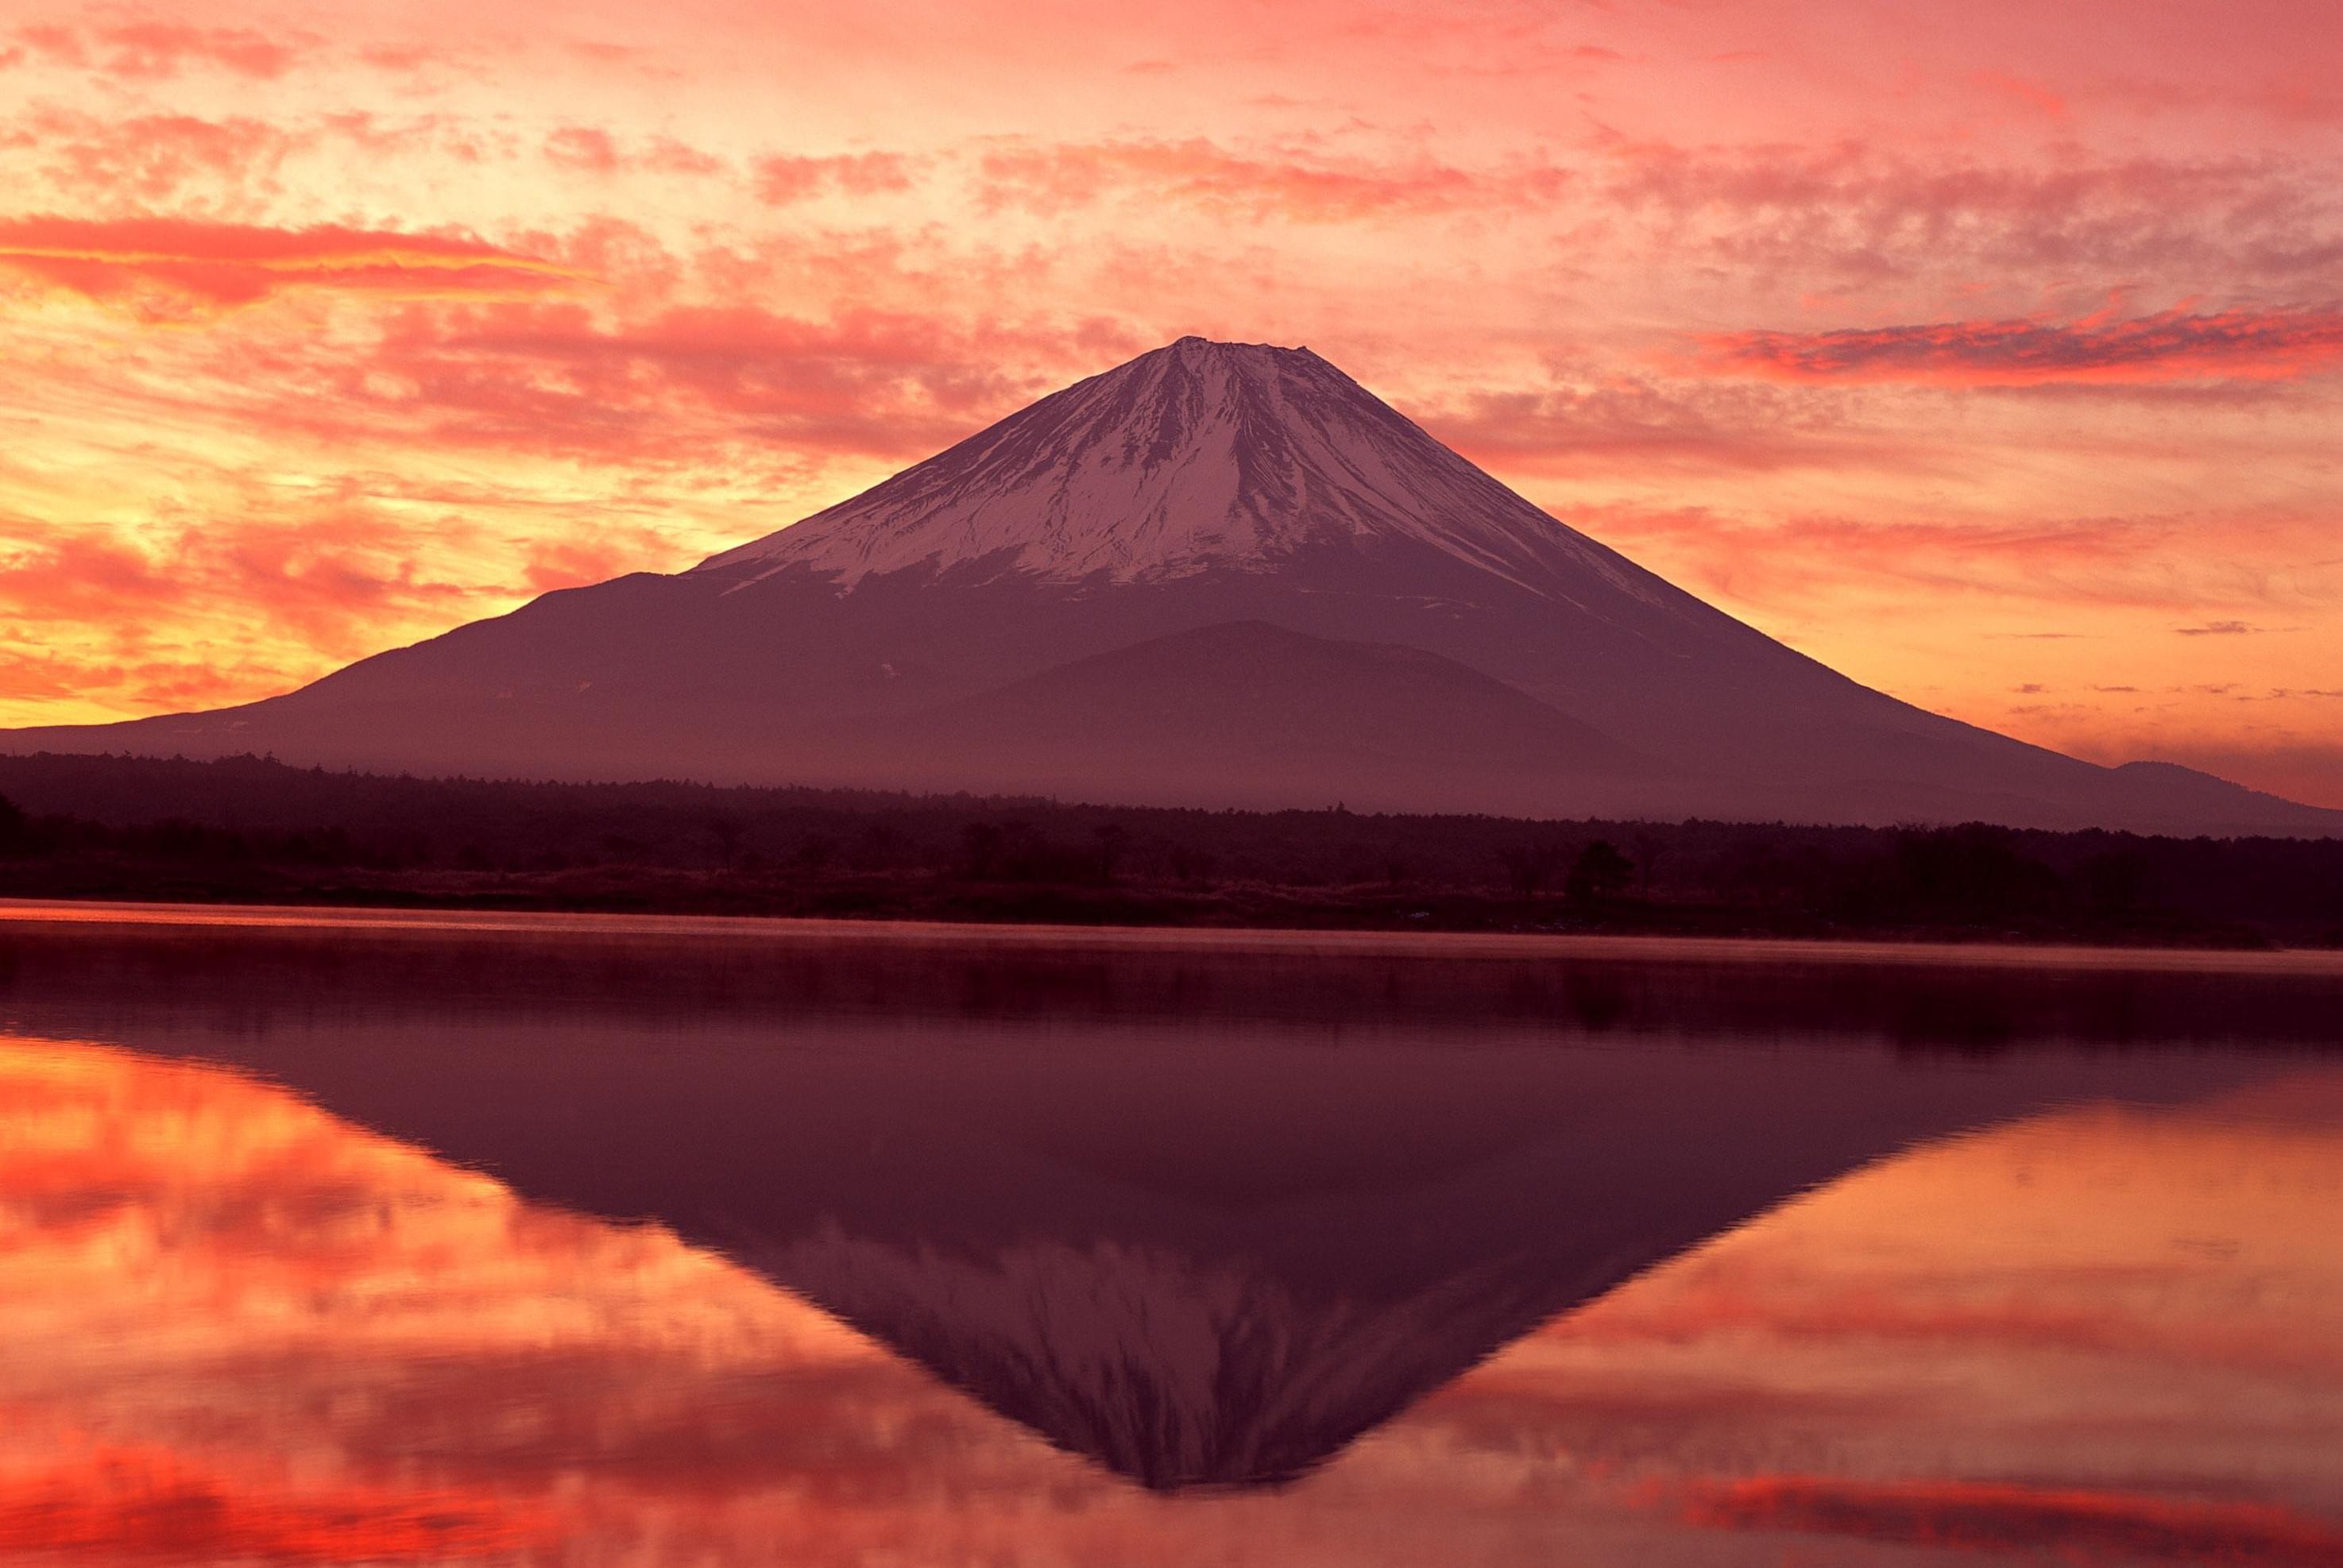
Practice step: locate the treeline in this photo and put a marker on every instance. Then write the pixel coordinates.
(250, 827)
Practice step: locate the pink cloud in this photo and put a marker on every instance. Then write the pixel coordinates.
(589, 149)
(150, 159)
(1855, 217)
(1626, 424)
(2172, 346)
(862, 382)
(1201, 172)
(60, 44)
(2034, 95)
(668, 156)
(148, 49)
(583, 148)
(781, 180)
(405, 59)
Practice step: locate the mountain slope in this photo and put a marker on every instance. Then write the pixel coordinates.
(1199, 486)
(1384, 726)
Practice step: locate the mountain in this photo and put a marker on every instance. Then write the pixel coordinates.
(965, 625)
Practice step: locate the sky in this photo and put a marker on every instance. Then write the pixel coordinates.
(1990, 352)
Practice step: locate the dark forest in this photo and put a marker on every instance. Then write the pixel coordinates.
(253, 829)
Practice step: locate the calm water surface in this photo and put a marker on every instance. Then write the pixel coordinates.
(577, 1240)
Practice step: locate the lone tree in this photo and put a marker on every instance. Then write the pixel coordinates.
(1600, 873)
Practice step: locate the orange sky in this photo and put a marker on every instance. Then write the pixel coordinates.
(1991, 352)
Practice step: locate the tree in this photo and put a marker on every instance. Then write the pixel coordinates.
(14, 827)
(1530, 866)
(1193, 865)
(1647, 858)
(877, 847)
(2115, 881)
(726, 830)
(1112, 839)
(981, 845)
(1600, 873)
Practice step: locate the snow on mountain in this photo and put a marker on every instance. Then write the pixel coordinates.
(1197, 456)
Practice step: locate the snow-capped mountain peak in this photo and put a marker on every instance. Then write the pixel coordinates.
(1195, 455)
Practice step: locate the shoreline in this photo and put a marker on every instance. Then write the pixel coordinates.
(1300, 942)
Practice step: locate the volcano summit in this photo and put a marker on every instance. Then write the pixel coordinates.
(1219, 575)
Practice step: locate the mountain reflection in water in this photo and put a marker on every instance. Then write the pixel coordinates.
(1690, 1276)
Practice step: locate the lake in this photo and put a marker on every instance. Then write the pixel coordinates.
(340, 1237)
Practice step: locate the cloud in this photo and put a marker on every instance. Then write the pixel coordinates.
(46, 574)
(148, 49)
(781, 180)
(1199, 173)
(2072, 1524)
(589, 149)
(667, 156)
(577, 562)
(236, 598)
(585, 147)
(1854, 217)
(2032, 94)
(863, 382)
(2067, 561)
(2173, 346)
(405, 59)
(151, 159)
(173, 268)
(1628, 423)
(2217, 628)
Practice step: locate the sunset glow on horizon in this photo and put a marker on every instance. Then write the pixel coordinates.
(1991, 354)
